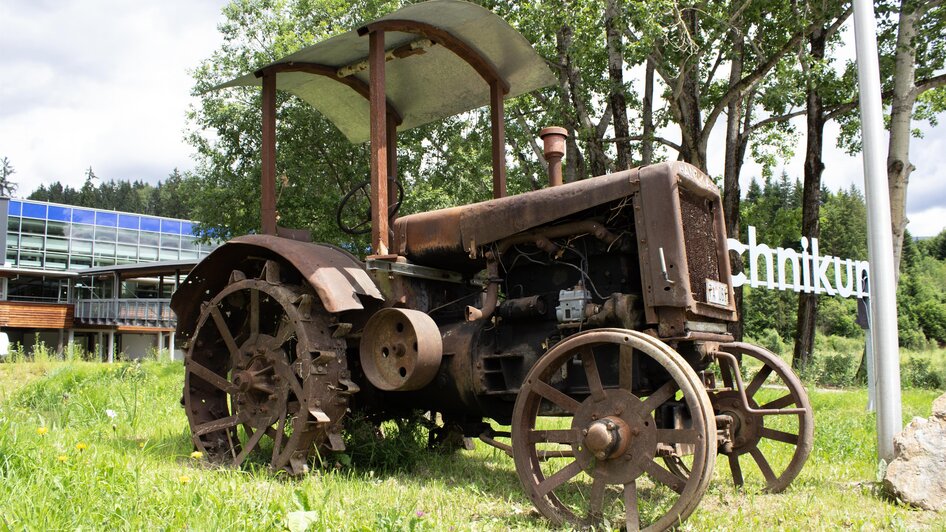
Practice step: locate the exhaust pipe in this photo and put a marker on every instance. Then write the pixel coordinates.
(553, 139)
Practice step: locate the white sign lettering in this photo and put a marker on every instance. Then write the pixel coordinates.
(809, 271)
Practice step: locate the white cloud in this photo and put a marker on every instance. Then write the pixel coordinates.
(100, 83)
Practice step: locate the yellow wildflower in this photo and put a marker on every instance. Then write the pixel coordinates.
(81, 446)
(62, 458)
(184, 479)
(42, 431)
(197, 455)
(141, 445)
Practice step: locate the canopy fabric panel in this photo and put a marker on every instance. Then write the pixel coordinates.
(421, 88)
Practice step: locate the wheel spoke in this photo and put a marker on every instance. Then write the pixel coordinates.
(210, 377)
(592, 375)
(562, 476)
(544, 455)
(596, 500)
(626, 368)
(661, 475)
(763, 465)
(736, 469)
(249, 446)
(254, 313)
(661, 396)
(555, 436)
(290, 377)
(781, 402)
(757, 381)
(778, 435)
(218, 424)
(678, 436)
(225, 331)
(556, 396)
(277, 439)
(632, 517)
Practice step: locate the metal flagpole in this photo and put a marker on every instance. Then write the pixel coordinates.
(883, 296)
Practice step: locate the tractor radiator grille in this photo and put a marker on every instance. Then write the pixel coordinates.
(699, 232)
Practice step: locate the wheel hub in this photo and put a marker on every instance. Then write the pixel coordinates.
(608, 429)
(746, 427)
(608, 438)
(259, 392)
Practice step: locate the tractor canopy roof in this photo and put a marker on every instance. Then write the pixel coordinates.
(443, 58)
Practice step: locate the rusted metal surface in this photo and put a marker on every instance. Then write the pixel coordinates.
(492, 292)
(670, 276)
(523, 307)
(337, 277)
(268, 158)
(457, 232)
(395, 189)
(401, 349)
(553, 144)
(498, 132)
(379, 145)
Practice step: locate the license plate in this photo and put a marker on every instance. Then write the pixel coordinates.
(717, 293)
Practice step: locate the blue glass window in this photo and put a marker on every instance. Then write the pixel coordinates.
(171, 226)
(187, 228)
(108, 219)
(33, 210)
(16, 208)
(128, 221)
(82, 216)
(60, 214)
(150, 224)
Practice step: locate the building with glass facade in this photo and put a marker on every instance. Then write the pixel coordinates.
(69, 261)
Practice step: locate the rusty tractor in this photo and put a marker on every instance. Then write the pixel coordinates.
(590, 318)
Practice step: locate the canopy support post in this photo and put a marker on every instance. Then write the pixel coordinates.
(499, 138)
(379, 144)
(392, 164)
(268, 156)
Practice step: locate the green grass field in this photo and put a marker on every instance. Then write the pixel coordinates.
(65, 463)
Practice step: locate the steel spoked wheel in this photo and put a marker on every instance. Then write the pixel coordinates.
(588, 450)
(264, 377)
(775, 426)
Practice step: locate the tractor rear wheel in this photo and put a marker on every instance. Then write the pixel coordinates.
(264, 375)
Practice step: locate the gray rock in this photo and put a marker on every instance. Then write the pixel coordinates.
(917, 474)
(939, 407)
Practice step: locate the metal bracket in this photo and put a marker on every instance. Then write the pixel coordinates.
(741, 388)
(413, 270)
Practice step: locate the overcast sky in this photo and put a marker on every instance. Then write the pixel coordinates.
(106, 84)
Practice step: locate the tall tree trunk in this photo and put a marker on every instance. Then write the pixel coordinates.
(574, 162)
(616, 75)
(687, 102)
(898, 152)
(732, 169)
(811, 200)
(647, 115)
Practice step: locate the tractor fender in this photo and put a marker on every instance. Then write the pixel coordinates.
(336, 275)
